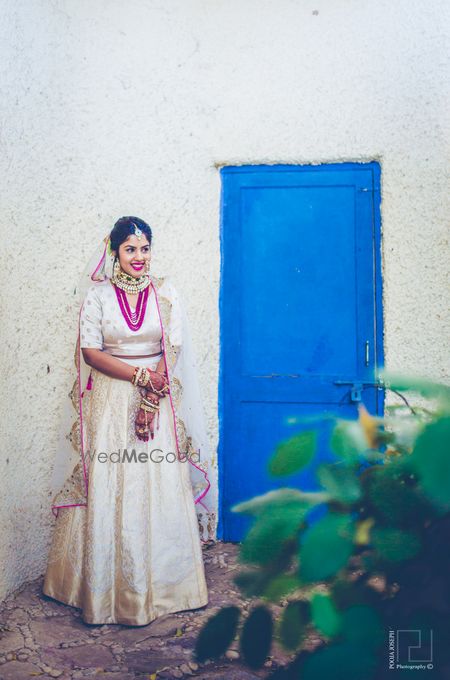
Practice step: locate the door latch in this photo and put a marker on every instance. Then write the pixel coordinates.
(357, 387)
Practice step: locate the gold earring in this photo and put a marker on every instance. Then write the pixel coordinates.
(116, 268)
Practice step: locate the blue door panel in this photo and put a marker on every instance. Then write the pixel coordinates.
(300, 313)
(279, 256)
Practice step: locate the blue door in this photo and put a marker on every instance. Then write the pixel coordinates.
(301, 317)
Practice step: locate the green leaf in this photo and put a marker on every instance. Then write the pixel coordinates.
(341, 482)
(326, 547)
(395, 545)
(294, 454)
(340, 661)
(325, 616)
(268, 536)
(348, 440)
(252, 583)
(395, 500)
(292, 625)
(256, 637)
(218, 633)
(347, 593)
(362, 626)
(280, 586)
(279, 498)
(431, 459)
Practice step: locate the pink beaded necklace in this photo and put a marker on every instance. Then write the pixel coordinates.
(134, 318)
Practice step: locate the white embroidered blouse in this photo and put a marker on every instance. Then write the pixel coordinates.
(103, 326)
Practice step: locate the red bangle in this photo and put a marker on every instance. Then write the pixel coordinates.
(133, 379)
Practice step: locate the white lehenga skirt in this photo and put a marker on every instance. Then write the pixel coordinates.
(134, 552)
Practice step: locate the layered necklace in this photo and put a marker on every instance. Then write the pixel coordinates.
(125, 283)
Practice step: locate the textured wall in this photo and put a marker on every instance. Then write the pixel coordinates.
(114, 107)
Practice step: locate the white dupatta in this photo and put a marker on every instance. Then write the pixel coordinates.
(70, 477)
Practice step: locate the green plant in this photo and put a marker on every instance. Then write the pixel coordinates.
(376, 560)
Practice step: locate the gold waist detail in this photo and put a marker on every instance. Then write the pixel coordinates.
(134, 356)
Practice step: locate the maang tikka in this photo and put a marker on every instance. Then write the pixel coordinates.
(137, 231)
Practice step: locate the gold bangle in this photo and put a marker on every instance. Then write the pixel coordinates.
(151, 409)
(149, 402)
(139, 376)
(144, 377)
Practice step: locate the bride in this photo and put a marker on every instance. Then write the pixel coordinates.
(131, 491)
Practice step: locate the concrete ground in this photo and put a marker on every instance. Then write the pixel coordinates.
(41, 638)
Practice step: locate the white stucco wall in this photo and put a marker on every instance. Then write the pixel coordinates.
(112, 107)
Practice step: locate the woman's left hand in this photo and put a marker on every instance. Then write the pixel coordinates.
(158, 381)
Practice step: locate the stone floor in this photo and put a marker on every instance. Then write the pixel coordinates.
(41, 638)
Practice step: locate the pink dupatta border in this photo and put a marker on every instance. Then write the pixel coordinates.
(80, 397)
(80, 402)
(163, 346)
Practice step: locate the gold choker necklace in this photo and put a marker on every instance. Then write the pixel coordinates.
(130, 284)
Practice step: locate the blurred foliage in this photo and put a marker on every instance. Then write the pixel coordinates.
(376, 559)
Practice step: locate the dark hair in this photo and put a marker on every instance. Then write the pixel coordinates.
(124, 227)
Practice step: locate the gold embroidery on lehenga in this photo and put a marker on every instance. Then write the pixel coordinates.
(75, 550)
(172, 354)
(76, 356)
(176, 391)
(69, 528)
(93, 406)
(135, 401)
(73, 395)
(72, 492)
(74, 435)
(186, 445)
(135, 536)
(165, 307)
(99, 549)
(172, 350)
(60, 536)
(206, 520)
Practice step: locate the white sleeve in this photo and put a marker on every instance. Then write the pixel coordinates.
(91, 321)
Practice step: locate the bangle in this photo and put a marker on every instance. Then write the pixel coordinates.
(149, 402)
(139, 375)
(146, 407)
(143, 378)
